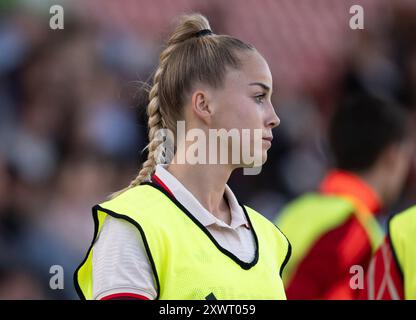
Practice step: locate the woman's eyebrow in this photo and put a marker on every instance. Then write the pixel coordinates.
(264, 86)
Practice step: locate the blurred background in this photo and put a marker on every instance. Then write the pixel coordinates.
(72, 119)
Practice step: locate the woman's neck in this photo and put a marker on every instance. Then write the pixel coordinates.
(207, 183)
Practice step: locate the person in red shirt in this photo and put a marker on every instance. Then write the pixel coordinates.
(391, 274)
(383, 277)
(334, 229)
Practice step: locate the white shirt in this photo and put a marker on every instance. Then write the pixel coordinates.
(120, 263)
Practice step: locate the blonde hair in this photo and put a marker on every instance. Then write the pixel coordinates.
(186, 59)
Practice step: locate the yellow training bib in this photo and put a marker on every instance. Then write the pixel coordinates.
(187, 261)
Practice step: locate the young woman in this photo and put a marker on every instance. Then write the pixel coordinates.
(178, 231)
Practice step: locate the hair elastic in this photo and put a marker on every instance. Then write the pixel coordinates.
(204, 32)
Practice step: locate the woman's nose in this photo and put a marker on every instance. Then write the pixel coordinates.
(272, 120)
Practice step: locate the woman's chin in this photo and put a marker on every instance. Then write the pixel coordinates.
(256, 162)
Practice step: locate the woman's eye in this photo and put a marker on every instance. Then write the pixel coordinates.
(260, 98)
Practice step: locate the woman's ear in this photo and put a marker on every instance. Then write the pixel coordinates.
(201, 106)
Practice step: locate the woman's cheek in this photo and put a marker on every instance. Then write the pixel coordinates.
(250, 116)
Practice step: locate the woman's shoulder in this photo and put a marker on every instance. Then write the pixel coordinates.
(120, 261)
(134, 199)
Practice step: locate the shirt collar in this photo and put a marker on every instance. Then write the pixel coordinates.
(339, 182)
(187, 199)
(238, 218)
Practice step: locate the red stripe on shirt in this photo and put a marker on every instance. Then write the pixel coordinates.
(124, 296)
(156, 179)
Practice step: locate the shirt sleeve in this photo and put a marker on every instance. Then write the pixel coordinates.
(383, 278)
(121, 267)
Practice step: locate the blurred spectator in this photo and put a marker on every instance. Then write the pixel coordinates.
(334, 228)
